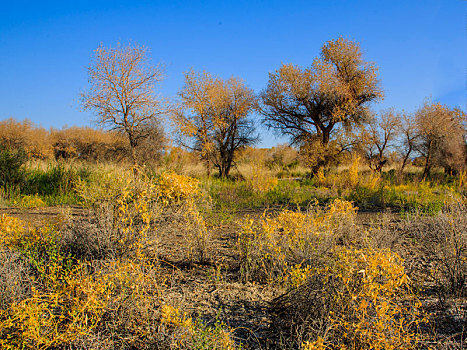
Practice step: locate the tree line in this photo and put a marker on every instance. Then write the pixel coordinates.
(325, 110)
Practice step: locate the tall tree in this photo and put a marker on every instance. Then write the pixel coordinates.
(215, 118)
(312, 103)
(441, 137)
(121, 92)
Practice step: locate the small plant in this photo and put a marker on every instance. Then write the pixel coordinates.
(30, 201)
(260, 181)
(175, 188)
(195, 334)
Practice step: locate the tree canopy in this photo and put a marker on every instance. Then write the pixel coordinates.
(313, 103)
(215, 118)
(121, 92)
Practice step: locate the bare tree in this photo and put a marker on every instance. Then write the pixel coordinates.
(121, 92)
(215, 118)
(379, 135)
(310, 104)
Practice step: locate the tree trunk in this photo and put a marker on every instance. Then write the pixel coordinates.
(427, 169)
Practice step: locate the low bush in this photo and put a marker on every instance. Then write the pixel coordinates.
(440, 241)
(275, 245)
(12, 171)
(359, 299)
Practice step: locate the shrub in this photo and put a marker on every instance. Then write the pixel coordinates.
(359, 299)
(11, 166)
(260, 181)
(441, 241)
(176, 189)
(195, 334)
(16, 280)
(184, 201)
(33, 201)
(270, 247)
(124, 209)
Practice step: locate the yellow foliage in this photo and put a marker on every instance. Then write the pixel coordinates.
(275, 243)
(318, 344)
(353, 171)
(174, 188)
(31, 201)
(173, 316)
(373, 308)
(260, 181)
(194, 332)
(10, 229)
(49, 319)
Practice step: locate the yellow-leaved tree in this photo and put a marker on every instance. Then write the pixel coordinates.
(214, 118)
(315, 105)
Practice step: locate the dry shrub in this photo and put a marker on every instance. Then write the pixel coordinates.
(98, 304)
(130, 214)
(25, 135)
(124, 208)
(260, 180)
(15, 278)
(88, 144)
(282, 245)
(440, 241)
(184, 205)
(359, 299)
(119, 299)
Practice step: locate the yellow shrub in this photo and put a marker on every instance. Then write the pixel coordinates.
(195, 334)
(174, 188)
(369, 302)
(32, 201)
(354, 178)
(49, 319)
(260, 181)
(274, 244)
(186, 194)
(10, 229)
(74, 307)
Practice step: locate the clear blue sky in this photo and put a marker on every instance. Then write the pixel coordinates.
(419, 46)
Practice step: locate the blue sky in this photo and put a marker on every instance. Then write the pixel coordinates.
(419, 46)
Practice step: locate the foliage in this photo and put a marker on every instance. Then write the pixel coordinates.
(183, 193)
(441, 137)
(314, 102)
(379, 136)
(26, 136)
(88, 144)
(194, 334)
(361, 299)
(260, 181)
(11, 166)
(31, 201)
(216, 118)
(274, 246)
(125, 208)
(175, 189)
